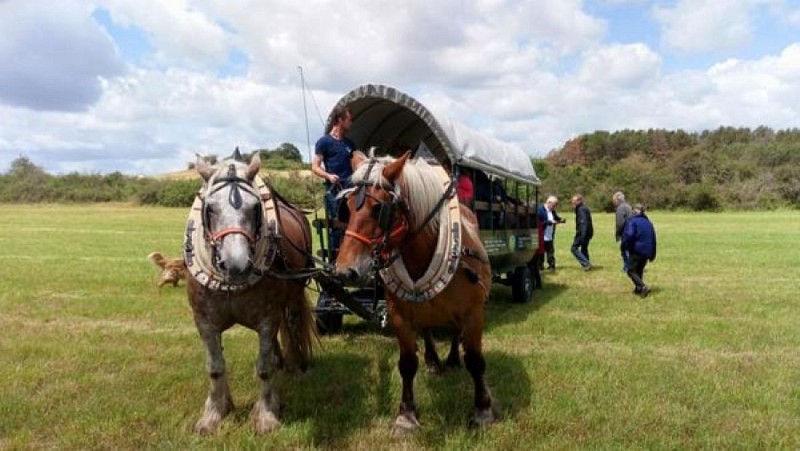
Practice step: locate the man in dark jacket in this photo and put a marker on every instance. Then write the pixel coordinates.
(584, 231)
(639, 239)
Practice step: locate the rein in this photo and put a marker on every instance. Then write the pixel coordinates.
(446, 196)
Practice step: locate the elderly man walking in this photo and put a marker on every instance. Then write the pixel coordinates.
(639, 239)
(623, 212)
(548, 219)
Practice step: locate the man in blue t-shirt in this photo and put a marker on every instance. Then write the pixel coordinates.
(335, 152)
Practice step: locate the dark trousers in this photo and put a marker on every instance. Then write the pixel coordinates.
(625, 260)
(550, 251)
(636, 264)
(335, 234)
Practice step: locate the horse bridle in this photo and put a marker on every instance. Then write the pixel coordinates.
(214, 238)
(392, 227)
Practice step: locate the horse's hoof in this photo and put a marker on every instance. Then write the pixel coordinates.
(212, 416)
(483, 418)
(207, 424)
(405, 423)
(265, 422)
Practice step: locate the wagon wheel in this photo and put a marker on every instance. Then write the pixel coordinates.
(522, 284)
(329, 322)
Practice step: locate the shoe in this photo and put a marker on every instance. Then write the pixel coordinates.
(587, 268)
(637, 290)
(551, 268)
(645, 291)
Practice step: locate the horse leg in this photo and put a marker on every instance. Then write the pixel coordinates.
(406, 420)
(265, 411)
(453, 359)
(476, 365)
(219, 402)
(432, 363)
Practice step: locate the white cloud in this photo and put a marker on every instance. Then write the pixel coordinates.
(706, 25)
(766, 90)
(616, 67)
(53, 55)
(151, 122)
(181, 34)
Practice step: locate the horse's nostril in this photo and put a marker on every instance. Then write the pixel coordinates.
(352, 274)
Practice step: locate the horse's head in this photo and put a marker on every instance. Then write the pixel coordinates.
(232, 213)
(376, 217)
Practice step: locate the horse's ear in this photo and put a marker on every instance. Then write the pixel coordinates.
(357, 158)
(393, 169)
(254, 167)
(203, 168)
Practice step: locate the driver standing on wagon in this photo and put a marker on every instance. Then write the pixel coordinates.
(335, 152)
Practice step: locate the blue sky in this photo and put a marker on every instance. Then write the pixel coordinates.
(141, 86)
(131, 42)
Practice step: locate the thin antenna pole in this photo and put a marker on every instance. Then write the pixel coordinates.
(323, 238)
(305, 111)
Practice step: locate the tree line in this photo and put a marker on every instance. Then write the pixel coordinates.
(727, 168)
(26, 182)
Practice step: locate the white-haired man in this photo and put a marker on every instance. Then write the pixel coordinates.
(548, 218)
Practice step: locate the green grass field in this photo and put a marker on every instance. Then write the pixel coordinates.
(91, 356)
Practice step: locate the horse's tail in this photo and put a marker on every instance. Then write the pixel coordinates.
(298, 334)
(298, 331)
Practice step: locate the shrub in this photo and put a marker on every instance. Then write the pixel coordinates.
(178, 193)
(702, 197)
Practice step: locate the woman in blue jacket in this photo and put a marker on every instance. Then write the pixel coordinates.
(639, 239)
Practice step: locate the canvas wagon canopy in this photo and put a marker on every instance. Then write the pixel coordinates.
(385, 117)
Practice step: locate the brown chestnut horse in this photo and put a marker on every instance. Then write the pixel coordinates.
(396, 212)
(244, 246)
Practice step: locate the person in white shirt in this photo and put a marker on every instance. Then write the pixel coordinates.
(549, 218)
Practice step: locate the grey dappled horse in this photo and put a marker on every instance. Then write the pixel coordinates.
(241, 286)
